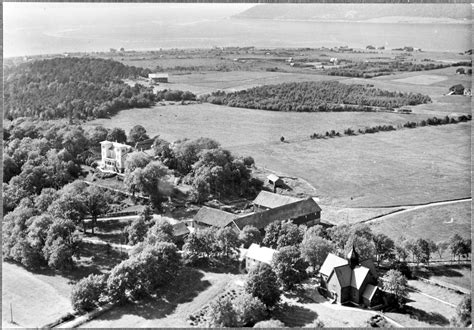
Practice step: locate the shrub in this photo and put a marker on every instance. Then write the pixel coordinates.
(262, 283)
(221, 313)
(86, 294)
(249, 310)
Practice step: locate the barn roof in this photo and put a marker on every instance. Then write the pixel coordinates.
(271, 200)
(260, 253)
(332, 261)
(213, 217)
(284, 212)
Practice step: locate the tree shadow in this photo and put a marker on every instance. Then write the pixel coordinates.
(186, 286)
(294, 316)
(448, 271)
(423, 316)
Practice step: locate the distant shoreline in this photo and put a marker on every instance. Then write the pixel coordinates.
(381, 20)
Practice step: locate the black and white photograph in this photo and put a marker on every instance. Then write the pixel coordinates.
(210, 165)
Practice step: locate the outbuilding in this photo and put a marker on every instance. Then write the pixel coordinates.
(158, 77)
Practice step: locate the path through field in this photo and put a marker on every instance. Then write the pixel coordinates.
(411, 208)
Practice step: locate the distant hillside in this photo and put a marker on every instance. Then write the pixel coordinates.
(357, 12)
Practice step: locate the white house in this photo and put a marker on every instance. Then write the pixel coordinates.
(257, 254)
(113, 156)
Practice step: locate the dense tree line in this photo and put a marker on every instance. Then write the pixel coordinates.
(72, 88)
(314, 97)
(375, 69)
(175, 95)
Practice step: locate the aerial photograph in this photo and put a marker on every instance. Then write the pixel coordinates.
(210, 165)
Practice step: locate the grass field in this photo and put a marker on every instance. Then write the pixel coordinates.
(386, 169)
(429, 223)
(458, 275)
(237, 126)
(36, 299)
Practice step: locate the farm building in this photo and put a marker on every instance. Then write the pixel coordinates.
(257, 254)
(210, 217)
(304, 211)
(158, 77)
(113, 156)
(268, 207)
(180, 232)
(275, 180)
(456, 90)
(267, 200)
(460, 71)
(145, 144)
(349, 281)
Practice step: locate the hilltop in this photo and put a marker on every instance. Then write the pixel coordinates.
(440, 13)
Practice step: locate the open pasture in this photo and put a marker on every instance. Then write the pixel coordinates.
(422, 79)
(238, 126)
(437, 223)
(209, 81)
(386, 169)
(36, 299)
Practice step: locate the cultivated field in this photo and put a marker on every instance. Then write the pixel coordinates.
(437, 223)
(386, 169)
(238, 126)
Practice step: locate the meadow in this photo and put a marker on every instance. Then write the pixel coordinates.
(239, 126)
(386, 169)
(437, 223)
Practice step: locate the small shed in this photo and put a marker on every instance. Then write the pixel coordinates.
(275, 180)
(158, 77)
(457, 89)
(460, 71)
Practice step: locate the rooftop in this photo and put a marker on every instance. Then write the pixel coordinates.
(260, 253)
(271, 200)
(213, 217)
(332, 261)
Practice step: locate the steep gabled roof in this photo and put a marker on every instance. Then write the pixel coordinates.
(214, 217)
(260, 253)
(284, 212)
(271, 200)
(332, 261)
(369, 263)
(369, 291)
(359, 274)
(344, 275)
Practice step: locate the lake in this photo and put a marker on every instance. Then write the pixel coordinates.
(78, 28)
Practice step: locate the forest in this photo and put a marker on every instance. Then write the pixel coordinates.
(82, 88)
(315, 97)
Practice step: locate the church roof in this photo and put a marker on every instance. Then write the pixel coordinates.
(332, 261)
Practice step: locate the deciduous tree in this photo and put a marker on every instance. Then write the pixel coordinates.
(262, 283)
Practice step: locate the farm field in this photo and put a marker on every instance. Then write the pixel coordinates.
(186, 295)
(437, 223)
(238, 126)
(36, 299)
(456, 274)
(386, 169)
